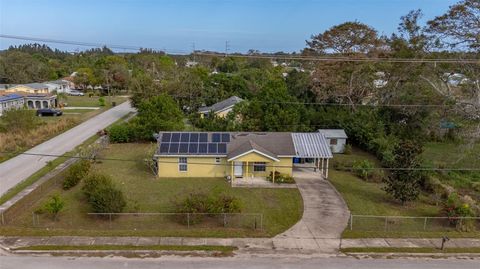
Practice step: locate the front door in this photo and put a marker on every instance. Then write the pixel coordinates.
(238, 169)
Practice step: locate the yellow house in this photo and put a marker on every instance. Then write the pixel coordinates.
(220, 109)
(31, 88)
(237, 155)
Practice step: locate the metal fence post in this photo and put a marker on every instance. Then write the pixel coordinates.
(110, 220)
(188, 220)
(3, 219)
(33, 219)
(425, 224)
(261, 222)
(351, 222)
(386, 224)
(224, 220)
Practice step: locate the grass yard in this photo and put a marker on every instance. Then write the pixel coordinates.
(85, 101)
(368, 198)
(410, 250)
(281, 208)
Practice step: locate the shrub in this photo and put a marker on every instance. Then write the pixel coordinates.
(102, 195)
(476, 186)
(454, 208)
(19, 120)
(281, 178)
(54, 205)
(363, 169)
(121, 133)
(101, 101)
(348, 149)
(75, 173)
(200, 202)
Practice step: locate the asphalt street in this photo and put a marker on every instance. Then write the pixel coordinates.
(47, 262)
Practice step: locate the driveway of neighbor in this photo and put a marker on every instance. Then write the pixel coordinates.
(325, 215)
(19, 168)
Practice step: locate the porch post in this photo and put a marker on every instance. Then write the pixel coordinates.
(322, 171)
(246, 171)
(232, 172)
(326, 172)
(273, 173)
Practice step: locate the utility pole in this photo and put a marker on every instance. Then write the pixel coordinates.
(227, 47)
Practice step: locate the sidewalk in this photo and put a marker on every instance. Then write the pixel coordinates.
(409, 243)
(241, 243)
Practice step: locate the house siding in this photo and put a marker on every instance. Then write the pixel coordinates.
(196, 167)
(206, 167)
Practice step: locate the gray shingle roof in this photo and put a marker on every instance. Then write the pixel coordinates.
(35, 85)
(311, 145)
(249, 146)
(333, 133)
(221, 105)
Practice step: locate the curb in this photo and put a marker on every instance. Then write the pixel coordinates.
(412, 255)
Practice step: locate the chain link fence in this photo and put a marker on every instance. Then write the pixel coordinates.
(412, 224)
(147, 221)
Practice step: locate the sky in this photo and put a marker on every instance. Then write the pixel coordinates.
(176, 25)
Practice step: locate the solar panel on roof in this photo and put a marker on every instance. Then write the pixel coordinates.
(174, 148)
(185, 137)
(183, 148)
(164, 147)
(166, 137)
(216, 138)
(212, 148)
(226, 138)
(193, 148)
(202, 148)
(175, 137)
(194, 137)
(203, 137)
(222, 148)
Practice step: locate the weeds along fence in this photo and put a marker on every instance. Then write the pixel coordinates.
(367, 223)
(32, 194)
(148, 221)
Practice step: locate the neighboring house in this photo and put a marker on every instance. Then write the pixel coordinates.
(336, 138)
(59, 86)
(11, 101)
(220, 109)
(32, 88)
(35, 95)
(237, 155)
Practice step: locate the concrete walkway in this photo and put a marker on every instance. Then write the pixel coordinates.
(21, 167)
(324, 218)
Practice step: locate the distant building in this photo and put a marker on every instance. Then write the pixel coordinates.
(59, 86)
(220, 109)
(336, 138)
(32, 88)
(11, 101)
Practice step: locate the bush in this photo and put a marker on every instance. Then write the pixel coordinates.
(200, 202)
(54, 206)
(348, 149)
(454, 208)
(75, 173)
(476, 186)
(121, 133)
(363, 169)
(102, 195)
(101, 101)
(19, 120)
(281, 178)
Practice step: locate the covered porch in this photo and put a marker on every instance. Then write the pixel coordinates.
(312, 151)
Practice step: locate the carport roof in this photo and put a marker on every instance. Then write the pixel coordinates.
(311, 145)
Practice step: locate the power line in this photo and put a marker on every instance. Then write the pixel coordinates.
(229, 165)
(256, 56)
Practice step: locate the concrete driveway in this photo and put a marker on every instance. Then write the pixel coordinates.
(325, 215)
(21, 167)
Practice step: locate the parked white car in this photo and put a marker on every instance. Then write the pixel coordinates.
(75, 93)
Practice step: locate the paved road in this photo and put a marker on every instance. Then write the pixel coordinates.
(27, 262)
(324, 218)
(21, 167)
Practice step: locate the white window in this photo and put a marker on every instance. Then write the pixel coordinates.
(333, 141)
(217, 160)
(182, 164)
(259, 167)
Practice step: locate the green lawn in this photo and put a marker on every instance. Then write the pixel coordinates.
(368, 198)
(281, 208)
(411, 250)
(85, 101)
(223, 249)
